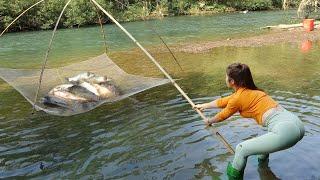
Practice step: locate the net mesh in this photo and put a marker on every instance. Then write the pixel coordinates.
(26, 82)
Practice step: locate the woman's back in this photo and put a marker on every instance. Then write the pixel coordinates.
(253, 103)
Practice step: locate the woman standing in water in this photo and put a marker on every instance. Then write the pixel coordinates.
(284, 128)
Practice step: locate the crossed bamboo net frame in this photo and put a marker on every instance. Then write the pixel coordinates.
(97, 6)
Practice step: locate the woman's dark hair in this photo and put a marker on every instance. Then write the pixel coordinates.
(241, 75)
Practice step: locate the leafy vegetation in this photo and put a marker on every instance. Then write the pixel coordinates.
(309, 8)
(83, 12)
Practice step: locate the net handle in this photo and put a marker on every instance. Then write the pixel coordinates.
(47, 55)
(220, 137)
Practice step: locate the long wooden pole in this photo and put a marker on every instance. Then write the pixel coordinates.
(220, 137)
(47, 55)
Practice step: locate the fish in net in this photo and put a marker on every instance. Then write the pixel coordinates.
(79, 87)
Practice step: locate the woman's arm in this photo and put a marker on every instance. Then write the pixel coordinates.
(201, 107)
(212, 120)
(231, 108)
(218, 103)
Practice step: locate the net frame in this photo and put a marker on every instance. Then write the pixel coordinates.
(25, 81)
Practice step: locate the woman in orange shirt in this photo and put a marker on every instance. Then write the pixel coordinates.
(284, 128)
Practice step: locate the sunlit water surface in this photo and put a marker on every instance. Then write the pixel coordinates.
(155, 134)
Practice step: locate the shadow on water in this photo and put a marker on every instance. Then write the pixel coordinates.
(265, 173)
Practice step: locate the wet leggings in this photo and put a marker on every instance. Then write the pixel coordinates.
(284, 130)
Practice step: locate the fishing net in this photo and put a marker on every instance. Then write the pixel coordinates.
(26, 81)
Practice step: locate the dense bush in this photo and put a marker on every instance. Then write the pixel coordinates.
(2, 12)
(82, 12)
(259, 4)
(252, 5)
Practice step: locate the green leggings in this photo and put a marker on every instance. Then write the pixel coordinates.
(284, 130)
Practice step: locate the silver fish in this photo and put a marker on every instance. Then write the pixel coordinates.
(85, 90)
(97, 79)
(60, 96)
(101, 90)
(90, 88)
(84, 93)
(111, 87)
(81, 77)
(87, 77)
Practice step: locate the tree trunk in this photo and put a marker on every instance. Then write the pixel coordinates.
(303, 10)
(285, 4)
(170, 7)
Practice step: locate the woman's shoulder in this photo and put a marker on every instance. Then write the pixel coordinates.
(246, 93)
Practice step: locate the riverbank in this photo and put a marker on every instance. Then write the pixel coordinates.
(83, 13)
(297, 35)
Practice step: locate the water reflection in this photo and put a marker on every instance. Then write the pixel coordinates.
(306, 46)
(265, 172)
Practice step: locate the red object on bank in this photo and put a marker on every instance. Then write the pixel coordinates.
(308, 24)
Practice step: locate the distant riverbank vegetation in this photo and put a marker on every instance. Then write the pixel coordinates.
(83, 12)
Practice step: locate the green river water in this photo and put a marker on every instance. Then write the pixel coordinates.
(155, 134)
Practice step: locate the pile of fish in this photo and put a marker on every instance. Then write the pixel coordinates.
(83, 88)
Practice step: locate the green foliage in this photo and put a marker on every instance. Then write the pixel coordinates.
(49, 13)
(309, 9)
(2, 13)
(11, 10)
(277, 3)
(252, 5)
(133, 12)
(83, 12)
(259, 4)
(79, 13)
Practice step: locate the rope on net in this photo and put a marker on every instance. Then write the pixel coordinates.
(47, 54)
(220, 137)
(101, 28)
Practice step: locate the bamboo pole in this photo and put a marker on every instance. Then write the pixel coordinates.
(47, 55)
(220, 137)
(20, 16)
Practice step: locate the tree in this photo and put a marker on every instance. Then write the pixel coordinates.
(285, 4)
(170, 7)
(2, 9)
(307, 7)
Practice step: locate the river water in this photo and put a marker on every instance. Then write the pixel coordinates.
(155, 134)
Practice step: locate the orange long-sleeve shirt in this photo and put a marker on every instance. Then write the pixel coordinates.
(249, 103)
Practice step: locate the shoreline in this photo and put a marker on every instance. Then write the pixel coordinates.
(146, 18)
(270, 38)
